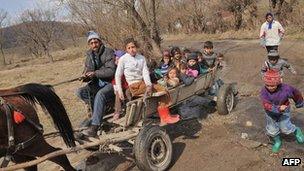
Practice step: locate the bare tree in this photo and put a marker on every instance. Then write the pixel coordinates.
(117, 19)
(282, 8)
(237, 7)
(3, 18)
(38, 31)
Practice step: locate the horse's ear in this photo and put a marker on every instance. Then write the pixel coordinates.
(50, 87)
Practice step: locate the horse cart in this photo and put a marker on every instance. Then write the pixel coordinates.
(152, 146)
(139, 126)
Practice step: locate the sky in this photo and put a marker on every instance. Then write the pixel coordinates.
(15, 7)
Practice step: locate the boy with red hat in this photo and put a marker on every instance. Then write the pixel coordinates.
(275, 97)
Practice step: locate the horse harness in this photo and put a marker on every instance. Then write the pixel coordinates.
(12, 147)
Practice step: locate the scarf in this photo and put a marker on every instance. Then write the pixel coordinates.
(270, 25)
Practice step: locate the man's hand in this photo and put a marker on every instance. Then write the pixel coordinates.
(294, 72)
(149, 90)
(283, 108)
(85, 78)
(90, 74)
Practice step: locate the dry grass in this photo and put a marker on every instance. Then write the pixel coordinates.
(50, 73)
(292, 33)
(244, 34)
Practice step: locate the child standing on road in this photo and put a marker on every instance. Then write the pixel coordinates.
(134, 67)
(274, 62)
(275, 98)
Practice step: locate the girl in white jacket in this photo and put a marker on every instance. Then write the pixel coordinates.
(271, 33)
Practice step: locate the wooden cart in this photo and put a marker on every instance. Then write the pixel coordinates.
(152, 146)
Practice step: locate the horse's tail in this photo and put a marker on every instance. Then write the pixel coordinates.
(48, 99)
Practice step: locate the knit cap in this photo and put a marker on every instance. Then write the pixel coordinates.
(93, 35)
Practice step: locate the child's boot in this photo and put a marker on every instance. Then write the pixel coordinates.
(277, 144)
(299, 135)
(166, 117)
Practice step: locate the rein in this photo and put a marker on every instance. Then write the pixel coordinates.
(69, 81)
(53, 85)
(12, 147)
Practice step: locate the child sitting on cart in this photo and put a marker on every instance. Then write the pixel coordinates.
(212, 61)
(164, 64)
(274, 62)
(275, 98)
(177, 60)
(208, 54)
(134, 67)
(175, 51)
(185, 54)
(193, 68)
(117, 107)
(183, 77)
(171, 79)
(199, 56)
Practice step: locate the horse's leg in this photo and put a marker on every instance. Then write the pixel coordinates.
(20, 159)
(44, 148)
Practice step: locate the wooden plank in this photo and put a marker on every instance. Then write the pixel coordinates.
(174, 94)
(177, 94)
(121, 121)
(130, 116)
(186, 91)
(107, 139)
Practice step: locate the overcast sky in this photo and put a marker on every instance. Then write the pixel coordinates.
(15, 7)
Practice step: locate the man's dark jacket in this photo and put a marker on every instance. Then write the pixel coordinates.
(103, 65)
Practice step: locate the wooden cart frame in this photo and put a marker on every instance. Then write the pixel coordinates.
(152, 146)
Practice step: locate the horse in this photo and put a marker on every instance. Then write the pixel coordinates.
(24, 99)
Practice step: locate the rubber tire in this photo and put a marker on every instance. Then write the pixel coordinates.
(221, 99)
(141, 147)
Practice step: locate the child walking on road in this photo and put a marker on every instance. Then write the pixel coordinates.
(275, 99)
(274, 62)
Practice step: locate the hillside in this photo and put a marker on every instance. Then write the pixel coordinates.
(63, 29)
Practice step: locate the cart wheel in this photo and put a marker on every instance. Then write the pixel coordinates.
(225, 100)
(153, 149)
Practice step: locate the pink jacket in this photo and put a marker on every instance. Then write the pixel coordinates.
(192, 72)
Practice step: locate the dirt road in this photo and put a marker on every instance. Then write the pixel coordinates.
(215, 142)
